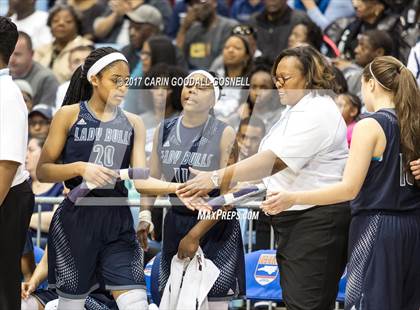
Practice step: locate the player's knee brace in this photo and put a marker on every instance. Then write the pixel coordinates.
(218, 305)
(133, 300)
(29, 304)
(70, 304)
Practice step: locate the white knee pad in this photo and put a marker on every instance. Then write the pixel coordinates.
(29, 304)
(51, 305)
(133, 300)
(218, 305)
(70, 304)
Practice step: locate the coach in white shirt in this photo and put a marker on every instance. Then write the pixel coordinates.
(305, 149)
(16, 197)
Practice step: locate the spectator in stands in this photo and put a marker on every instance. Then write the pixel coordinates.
(40, 189)
(113, 27)
(237, 61)
(370, 15)
(22, 66)
(237, 58)
(157, 49)
(245, 31)
(33, 22)
(180, 11)
(88, 10)
(39, 120)
(27, 93)
(77, 57)
(145, 22)
(66, 29)
(203, 33)
(414, 62)
(371, 44)
(263, 101)
(350, 106)
(242, 10)
(274, 26)
(324, 12)
(305, 32)
(250, 133)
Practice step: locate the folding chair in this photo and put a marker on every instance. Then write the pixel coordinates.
(262, 277)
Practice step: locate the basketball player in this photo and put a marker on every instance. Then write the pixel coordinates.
(197, 139)
(95, 245)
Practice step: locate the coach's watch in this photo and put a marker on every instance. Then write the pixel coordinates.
(215, 178)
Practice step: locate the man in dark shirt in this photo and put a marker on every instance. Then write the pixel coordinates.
(274, 25)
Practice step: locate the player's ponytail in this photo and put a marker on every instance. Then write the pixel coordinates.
(80, 88)
(394, 77)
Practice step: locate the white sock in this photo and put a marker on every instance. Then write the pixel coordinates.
(29, 304)
(133, 300)
(219, 305)
(70, 304)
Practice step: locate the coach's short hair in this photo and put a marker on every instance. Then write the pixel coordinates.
(8, 38)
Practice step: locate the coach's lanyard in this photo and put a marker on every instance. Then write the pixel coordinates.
(197, 137)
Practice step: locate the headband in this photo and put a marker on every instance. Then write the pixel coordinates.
(374, 77)
(212, 81)
(103, 62)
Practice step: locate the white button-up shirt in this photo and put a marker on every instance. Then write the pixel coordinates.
(13, 125)
(310, 138)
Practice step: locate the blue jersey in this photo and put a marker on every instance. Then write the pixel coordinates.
(180, 148)
(108, 144)
(388, 186)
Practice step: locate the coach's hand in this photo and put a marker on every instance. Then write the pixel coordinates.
(198, 186)
(27, 289)
(142, 233)
(97, 175)
(277, 202)
(415, 168)
(188, 247)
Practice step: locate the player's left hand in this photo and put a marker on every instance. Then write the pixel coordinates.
(188, 247)
(277, 202)
(200, 185)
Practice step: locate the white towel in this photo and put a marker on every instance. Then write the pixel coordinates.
(189, 283)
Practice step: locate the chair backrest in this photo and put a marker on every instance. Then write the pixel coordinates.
(262, 276)
(341, 296)
(151, 275)
(38, 253)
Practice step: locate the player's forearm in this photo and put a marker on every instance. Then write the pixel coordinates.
(147, 202)
(46, 218)
(336, 193)
(41, 270)
(203, 226)
(258, 166)
(55, 173)
(152, 186)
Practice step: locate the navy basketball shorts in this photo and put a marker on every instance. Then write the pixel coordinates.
(222, 245)
(384, 261)
(91, 247)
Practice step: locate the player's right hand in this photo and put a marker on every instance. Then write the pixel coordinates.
(27, 289)
(415, 168)
(98, 175)
(142, 233)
